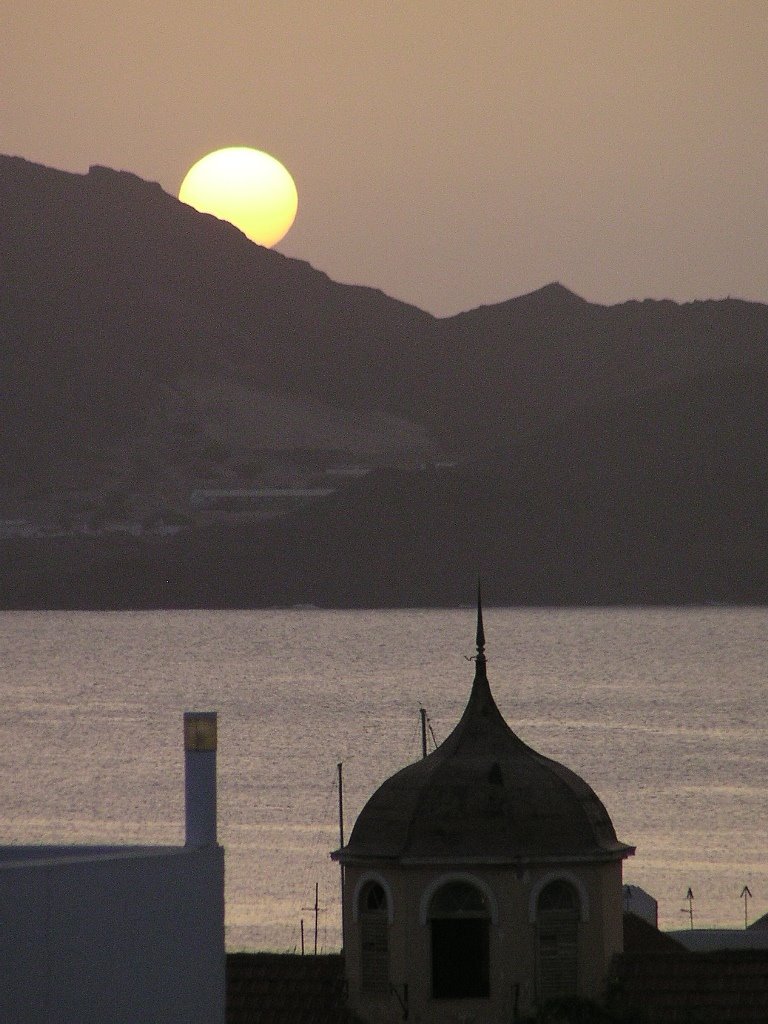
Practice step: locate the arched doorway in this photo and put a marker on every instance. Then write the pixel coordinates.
(459, 918)
(557, 926)
(374, 938)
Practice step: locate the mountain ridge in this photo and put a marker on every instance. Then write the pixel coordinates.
(147, 351)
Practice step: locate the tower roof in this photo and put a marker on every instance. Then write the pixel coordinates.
(484, 796)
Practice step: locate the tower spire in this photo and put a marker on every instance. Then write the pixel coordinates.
(480, 657)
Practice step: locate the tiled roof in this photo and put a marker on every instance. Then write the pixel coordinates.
(283, 988)
(642, 937)
(726, 987)
(707, 940)
(655, 982)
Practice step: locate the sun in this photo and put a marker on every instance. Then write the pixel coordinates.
(246, 187)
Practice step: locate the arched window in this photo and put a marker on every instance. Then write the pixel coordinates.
(374, 938)
(459, 919)
(557, 925)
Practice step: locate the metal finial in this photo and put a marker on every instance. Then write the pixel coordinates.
(480, 631)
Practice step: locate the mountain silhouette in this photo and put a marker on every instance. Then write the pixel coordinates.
(573, 452)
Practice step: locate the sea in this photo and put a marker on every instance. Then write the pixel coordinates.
(663, 711)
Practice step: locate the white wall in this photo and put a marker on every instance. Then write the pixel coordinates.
(112, 935)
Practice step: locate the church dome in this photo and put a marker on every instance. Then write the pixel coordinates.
(484, 796)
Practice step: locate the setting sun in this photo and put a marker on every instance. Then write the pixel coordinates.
(246, 187)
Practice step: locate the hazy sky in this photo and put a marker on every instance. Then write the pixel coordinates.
(449, 153)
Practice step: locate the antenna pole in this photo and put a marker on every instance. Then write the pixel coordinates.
(745, 895)
(316, 908)
(302, 936)
(341, 803)
(339, 768)
(317, 911)
(423, 713)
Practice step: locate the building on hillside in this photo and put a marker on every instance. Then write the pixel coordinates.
(479, 882)
(120, 934)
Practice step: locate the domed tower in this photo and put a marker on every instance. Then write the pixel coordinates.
(480, 881)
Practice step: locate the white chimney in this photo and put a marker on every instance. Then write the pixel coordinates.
(200, 777)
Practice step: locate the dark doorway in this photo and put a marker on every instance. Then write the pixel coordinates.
(460, 920)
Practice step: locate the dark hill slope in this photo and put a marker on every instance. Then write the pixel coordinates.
(604, 453)
(541, 358)
(113, 291)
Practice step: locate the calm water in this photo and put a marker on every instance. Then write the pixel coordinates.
(663, 712)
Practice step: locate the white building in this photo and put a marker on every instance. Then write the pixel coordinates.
(120, 934)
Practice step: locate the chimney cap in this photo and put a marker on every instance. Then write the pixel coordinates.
(200, 730)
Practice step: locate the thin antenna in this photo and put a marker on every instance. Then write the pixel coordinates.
(341, 803)
(423, 713)
(316, 908)
(746, 895)
(339, 766)
(317, 911)
(689, 911)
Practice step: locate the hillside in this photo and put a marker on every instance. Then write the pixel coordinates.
(118, 301)
(574, 453)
